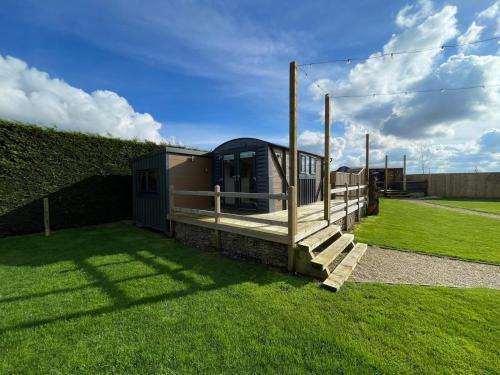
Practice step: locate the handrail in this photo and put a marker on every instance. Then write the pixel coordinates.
(350, 188)
(231, 194)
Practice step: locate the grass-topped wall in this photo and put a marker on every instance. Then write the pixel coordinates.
(86, 177)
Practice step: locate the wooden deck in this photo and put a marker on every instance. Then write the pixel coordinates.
(310, 220)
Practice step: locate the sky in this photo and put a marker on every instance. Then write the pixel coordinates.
(200, 73)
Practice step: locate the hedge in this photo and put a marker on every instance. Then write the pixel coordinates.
(86, 177)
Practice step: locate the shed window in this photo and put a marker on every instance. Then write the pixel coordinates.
(303, 164)
(147, 181)
(312, 165)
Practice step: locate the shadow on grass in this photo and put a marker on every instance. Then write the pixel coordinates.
(80, 245)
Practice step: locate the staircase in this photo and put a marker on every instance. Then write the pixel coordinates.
(329, 255)
(392, 193)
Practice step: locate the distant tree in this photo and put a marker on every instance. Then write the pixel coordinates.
(424, 158)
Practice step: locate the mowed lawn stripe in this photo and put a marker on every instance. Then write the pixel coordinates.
(482, 205)
(433, 230)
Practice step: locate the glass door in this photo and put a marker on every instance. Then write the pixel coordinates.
(247, 179)
(229, 178)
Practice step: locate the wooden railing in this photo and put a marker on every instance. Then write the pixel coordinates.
(347, 207)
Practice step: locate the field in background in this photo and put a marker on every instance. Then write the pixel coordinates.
(118, 299)
(434, 230)
(483, 205)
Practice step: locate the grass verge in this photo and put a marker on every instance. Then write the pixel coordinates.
(482, 205)
(433, 230)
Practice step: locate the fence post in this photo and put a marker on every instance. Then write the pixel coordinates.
(386, 175)
(358, 216)
(216, 215)
(171, 210)
(346, 201)
(292, 227)
(404, 173)
(46, 217)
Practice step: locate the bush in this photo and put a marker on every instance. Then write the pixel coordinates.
(86, 177)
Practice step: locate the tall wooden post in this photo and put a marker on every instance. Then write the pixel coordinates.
(326, 186)
(292, 191)
(404, 173)
(216, 214)
(46, 216)
(386, 175)
(367, 159)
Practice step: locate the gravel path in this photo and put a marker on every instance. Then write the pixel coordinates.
(401, 267)
(459, 209)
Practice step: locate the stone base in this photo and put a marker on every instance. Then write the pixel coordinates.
(235, 245)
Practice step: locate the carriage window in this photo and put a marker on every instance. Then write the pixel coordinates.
(147, 181)
(312, 165)
(152, 181)
(303, 164)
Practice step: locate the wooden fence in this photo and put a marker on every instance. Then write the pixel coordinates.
(466, 185)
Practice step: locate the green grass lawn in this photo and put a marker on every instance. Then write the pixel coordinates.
(434, 230)
(484, 205)
(117, 299)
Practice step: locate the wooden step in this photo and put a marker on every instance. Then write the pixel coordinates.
(318, 238)
(323, 259)
(344, 269)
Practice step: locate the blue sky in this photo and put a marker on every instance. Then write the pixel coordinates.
(200, 73)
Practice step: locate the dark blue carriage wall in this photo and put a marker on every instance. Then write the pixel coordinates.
(150, 209)
(261, 149)
(309, 185)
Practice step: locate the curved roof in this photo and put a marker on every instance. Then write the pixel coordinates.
(263, 141)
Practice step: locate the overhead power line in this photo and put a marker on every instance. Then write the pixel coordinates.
(348, 60)
(423, 91)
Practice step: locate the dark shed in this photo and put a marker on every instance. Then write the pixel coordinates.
(153, 173)
(256, 166)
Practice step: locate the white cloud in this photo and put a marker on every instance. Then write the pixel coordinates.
(29, 95)
(410, 14)
(447, 124)
(492, 13)
(472, 35)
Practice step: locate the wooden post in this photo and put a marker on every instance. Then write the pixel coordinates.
(326, 186)
(216, 214)
(292, 201)
(404, 173)
(367, 164)
(358, 195)
(292, 229)
(171, 210)
(46, 217)
(346, 201)
(386, 175)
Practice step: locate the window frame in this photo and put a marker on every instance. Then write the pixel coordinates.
(147, 174)
(312, 162)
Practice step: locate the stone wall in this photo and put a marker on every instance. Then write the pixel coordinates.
(266, 252)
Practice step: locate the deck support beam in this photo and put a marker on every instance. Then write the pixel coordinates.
(326, 162)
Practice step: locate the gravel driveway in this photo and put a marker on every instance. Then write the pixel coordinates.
(401, 267)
